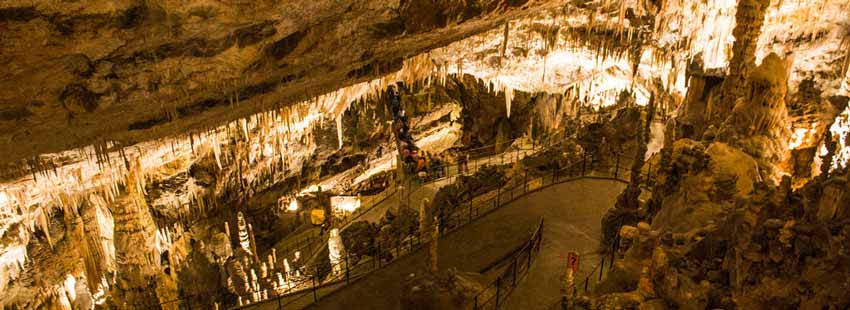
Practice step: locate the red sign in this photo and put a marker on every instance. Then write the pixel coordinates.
(572, 261)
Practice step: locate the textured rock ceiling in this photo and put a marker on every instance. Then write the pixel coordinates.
(88, 71)
(89, 86)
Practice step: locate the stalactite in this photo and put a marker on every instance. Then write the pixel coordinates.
(504, 44)
(509, 94)
(339, 130)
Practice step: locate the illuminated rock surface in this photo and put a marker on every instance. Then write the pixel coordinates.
(172, 153)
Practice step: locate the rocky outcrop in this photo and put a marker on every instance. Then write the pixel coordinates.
(727, 238)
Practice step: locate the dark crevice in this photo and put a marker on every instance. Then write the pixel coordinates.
(18, 14)
(285, 46)
(376, 67)
(140, 125)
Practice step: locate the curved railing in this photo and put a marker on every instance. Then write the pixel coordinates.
(520, 263)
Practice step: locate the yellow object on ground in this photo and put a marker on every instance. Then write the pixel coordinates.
(317, 216)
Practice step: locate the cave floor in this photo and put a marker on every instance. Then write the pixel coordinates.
(572, 213)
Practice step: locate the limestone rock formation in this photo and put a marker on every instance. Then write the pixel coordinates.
(154, 151)
(759, 122)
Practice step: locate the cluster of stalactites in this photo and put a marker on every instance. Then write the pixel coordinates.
(100, 168)
(104, 169)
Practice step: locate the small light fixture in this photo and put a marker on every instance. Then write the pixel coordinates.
(293, 205)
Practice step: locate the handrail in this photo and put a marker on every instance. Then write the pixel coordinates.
(520, 266)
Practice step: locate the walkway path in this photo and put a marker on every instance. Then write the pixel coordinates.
(572, 210)
(576, 226)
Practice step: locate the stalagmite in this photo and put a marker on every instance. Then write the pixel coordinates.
(749, 20)
(336, 252)
(424, 217)
(253, 243)
(434, 250)
(244, 239)
(135, 244)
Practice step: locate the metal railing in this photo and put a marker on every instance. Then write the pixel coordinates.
(520, 263)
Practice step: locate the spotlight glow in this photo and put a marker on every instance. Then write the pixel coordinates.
(345, 204)
(293, 205)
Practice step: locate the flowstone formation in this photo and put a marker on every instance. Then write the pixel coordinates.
(759, 124)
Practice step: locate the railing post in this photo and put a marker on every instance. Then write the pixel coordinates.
(525, 181)
(498, 290)
(315, 279)
(470, 212)
(554, 174)
(515, 269)
(583, 161)
(475, 304)
(585, 284)
(617, 166)
(601, 267)
(347, 271)
(499, 196)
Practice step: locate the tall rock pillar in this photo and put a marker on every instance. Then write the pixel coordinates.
(137, 258)
(748, 23)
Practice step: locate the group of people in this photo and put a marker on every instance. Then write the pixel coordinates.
(401, 127)
(430, 167)
(415, 161)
